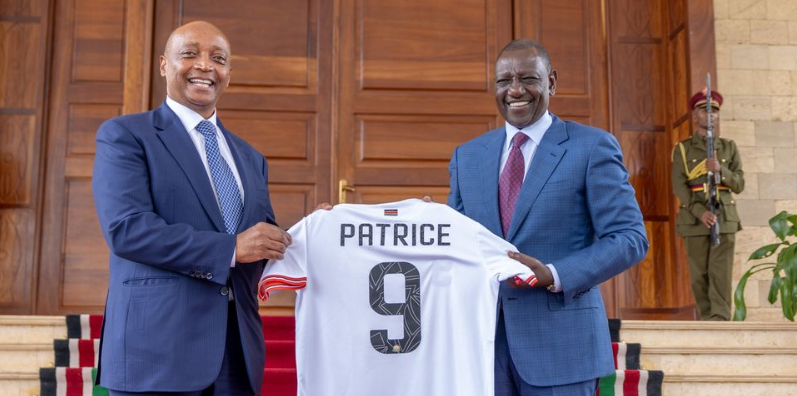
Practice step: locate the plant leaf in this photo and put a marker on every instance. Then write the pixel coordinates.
(780, 225)
(764, 251)
(774, 288)
(740, 313)
(787, 262)
(787, 298)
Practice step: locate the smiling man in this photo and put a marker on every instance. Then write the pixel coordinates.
(184, 207)
(559, 192)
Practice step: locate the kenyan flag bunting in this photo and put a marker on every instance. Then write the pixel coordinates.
(66, 381)
(631, 383)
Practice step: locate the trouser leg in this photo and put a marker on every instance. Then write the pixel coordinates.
(720, 273)
(697, 252)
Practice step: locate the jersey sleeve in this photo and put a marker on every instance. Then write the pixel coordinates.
(290, 273)
(494, 255)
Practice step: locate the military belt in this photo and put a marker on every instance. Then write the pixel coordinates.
(703, 187)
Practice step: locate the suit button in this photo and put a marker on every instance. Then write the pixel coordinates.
(208, 276)
(224, 290)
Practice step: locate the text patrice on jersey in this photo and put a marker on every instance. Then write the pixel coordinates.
(394, 299)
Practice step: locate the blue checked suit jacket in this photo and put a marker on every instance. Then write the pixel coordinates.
(577, 211)
(165, 315)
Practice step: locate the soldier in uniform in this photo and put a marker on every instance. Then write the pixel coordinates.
(709, 268)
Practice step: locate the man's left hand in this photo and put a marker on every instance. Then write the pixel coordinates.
(543, 273)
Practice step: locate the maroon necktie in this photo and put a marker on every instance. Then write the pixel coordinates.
(511, 180)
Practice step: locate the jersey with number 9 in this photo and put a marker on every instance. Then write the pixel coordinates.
(393, 299)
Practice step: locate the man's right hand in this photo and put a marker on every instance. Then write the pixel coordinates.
(262, 241)
(708, 219)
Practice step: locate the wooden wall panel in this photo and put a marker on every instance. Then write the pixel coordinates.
(17, 231)
(273, 41)
(17, 138)
(85, 265)
(679, 77)
(291, 202)
(84, 120)
(702, 53)
(380, 194)
(416, 81)
(383, 139)
(18, 65)
(98, 41)
(279, 136)
(23, 56)
(424, 45)
(88, 81)
(646, 155)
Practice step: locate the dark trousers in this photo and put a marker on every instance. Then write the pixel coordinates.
(232, 380)
(509, 383)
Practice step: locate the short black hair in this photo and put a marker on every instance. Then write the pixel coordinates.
(524, 43)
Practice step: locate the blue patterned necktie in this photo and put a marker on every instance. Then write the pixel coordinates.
(223, 179)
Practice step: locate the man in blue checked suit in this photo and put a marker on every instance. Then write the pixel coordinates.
(559, 192)
(184, 207)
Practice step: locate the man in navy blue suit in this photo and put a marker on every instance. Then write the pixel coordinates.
(184, 207)
(559, 192)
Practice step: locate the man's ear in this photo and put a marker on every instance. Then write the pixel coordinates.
(163, 65)
(552, 76)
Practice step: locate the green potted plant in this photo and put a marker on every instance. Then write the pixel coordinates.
(784, 268)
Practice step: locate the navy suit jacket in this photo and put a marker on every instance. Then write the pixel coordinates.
(165, 315)
(577, 211)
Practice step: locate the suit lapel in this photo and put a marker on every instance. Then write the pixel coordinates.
(545, 160)
(176, 139)
(245, 175)
(489, 162)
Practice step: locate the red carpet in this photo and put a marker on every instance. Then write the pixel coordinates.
(279, 376)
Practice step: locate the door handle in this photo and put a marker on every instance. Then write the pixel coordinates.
(343, 188)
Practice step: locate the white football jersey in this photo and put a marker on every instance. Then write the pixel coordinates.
(395, 299)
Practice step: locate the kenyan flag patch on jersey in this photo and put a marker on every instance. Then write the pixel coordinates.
(391, 212)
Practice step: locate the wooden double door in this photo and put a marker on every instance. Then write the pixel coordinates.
(357, 100)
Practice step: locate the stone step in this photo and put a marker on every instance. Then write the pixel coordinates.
(25, 357)
(31, 329)
(682, 334)
(745, 361)
(729, 385)
(19, 384)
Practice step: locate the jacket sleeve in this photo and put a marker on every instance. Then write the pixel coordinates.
(620, 237)
(680, 185)
(454, 197)
(130, 225)
(732, 173)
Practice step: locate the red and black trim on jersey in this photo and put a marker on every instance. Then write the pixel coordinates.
(279, 282)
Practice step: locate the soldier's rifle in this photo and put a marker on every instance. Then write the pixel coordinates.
(713, 178)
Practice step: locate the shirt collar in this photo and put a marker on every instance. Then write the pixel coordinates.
(189, 118)
(534, 131)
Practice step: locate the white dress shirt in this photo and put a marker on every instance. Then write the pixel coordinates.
(535, 132)
(190, 120)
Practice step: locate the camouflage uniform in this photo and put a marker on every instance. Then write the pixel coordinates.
(710, 269)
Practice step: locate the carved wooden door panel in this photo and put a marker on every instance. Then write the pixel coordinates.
(415, 82)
